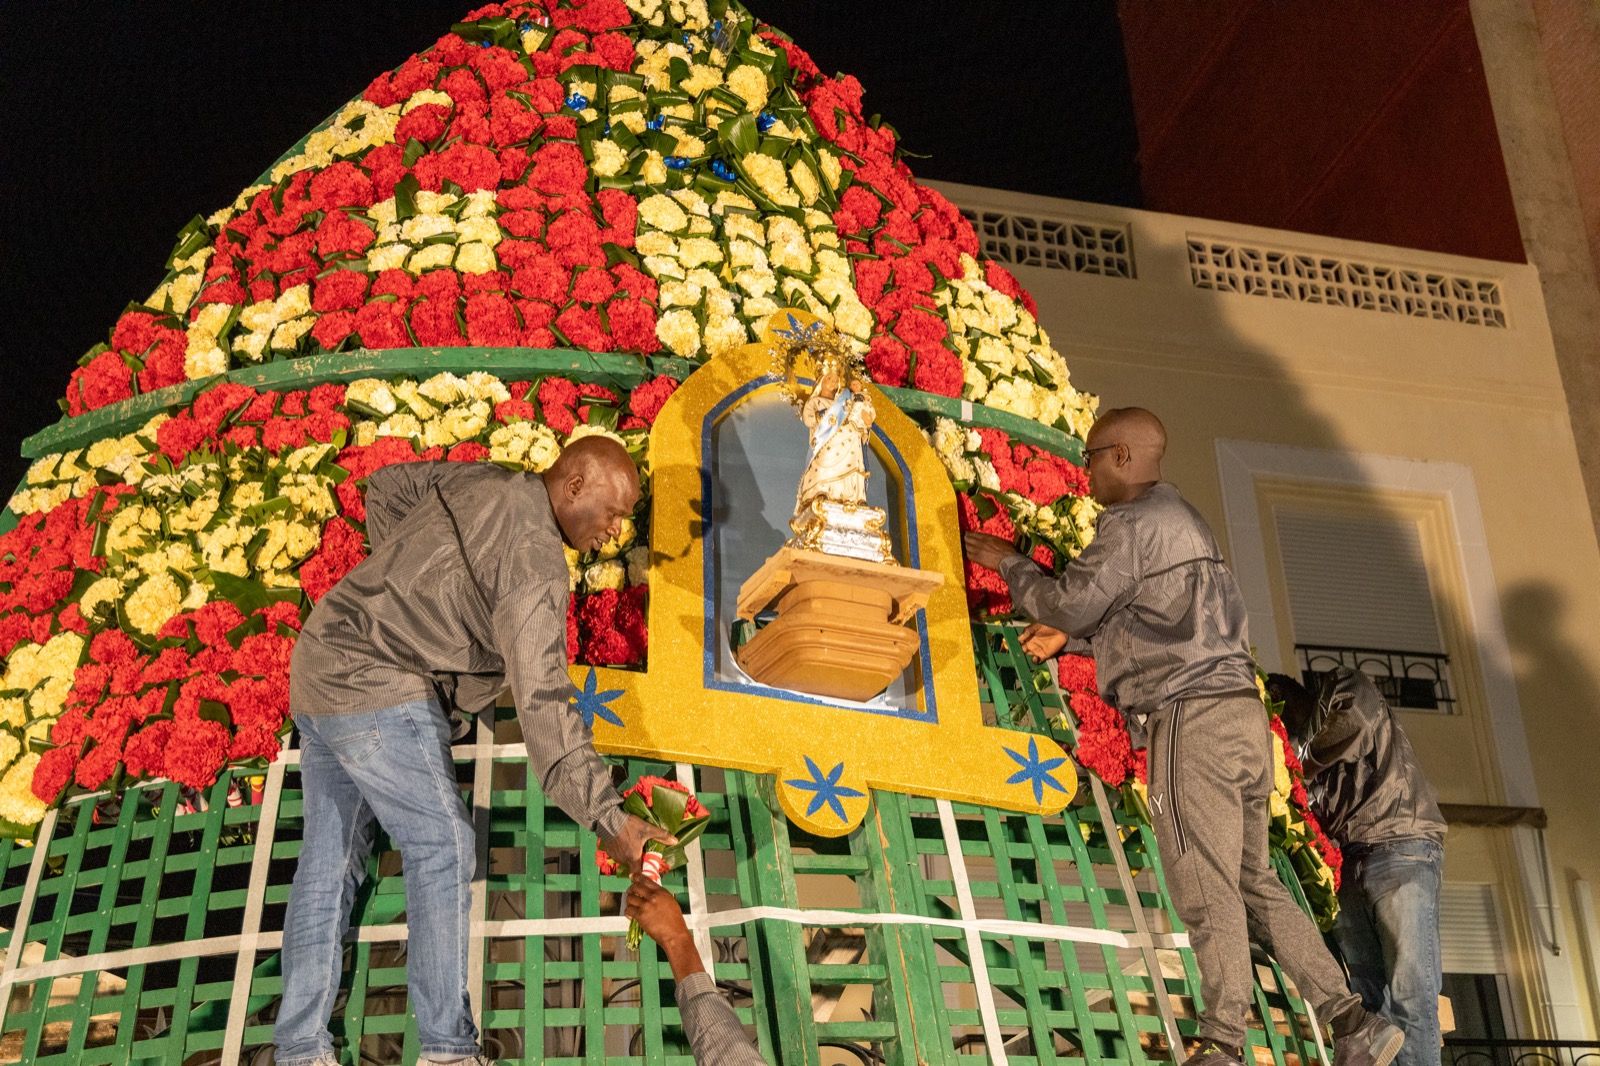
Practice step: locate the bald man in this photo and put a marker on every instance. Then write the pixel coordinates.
(1161, 615)
(465, 592)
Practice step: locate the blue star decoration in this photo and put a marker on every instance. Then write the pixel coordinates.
(1034, 770)
(825, 789)
(798, 333)
(592, 704)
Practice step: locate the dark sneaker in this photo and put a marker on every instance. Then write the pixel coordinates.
(1372, 1043)
(1211, 1053)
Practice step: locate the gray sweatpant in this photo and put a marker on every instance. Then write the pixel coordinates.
(1210, 779)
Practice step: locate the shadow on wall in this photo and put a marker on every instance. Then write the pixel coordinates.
(1541, 648)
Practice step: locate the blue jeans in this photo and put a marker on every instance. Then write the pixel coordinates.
(1388, 932)
(392, 766)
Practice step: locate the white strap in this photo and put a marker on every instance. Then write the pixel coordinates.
(969, 914)
(614, 925)
(695, 869)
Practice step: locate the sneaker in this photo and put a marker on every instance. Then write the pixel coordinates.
(470, 1060)
(1372, 1043)
(1211, 1053)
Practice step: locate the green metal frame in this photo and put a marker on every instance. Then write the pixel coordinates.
(187, 909)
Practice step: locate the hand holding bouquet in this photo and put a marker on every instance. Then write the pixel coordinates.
(669, 807)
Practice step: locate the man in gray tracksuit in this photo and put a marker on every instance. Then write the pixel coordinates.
(1166, 623)
(1368, 789)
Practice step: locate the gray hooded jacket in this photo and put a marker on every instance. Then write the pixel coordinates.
(1363, 778)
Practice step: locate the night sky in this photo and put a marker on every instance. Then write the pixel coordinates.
(120, 123)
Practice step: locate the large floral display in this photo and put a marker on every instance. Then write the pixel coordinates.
(650, 179)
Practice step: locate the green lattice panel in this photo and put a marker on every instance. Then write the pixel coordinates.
(150, 935)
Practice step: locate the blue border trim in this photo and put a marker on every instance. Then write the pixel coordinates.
(708, 575)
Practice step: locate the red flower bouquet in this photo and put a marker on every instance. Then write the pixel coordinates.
(666, 805)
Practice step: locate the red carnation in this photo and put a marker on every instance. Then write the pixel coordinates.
(144, 753)
(53, 772)
(888, 361)
(510, 121)
(196, 752)
(468, 451)
(340, 290)
(333, 328)
(938, 371)
(106, 380)
(621, 213)
(491, 320)
(423, 123)
(593, 286)
(646, 400)
(434, 322)
(338, 553)
(558, 400)
(382, 324)
(633, 326)
(343, 184)
(558, 167)
(281, 613)
(581, 327)
(1076, 673)
(284, 434)
(471, 166)
(511, 410)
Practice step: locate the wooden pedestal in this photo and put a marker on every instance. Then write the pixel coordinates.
(840, 628)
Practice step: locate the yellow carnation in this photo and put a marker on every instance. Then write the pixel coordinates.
(18, 804)
(609, 158)
(154, 602)
(475, 258)
(770, 177)
(434, 255)
(663, 213)
(387, 257)
(701, 77)
(371, 394)
(698, 251)
(749, 82)
(678, 330)
(480, 228)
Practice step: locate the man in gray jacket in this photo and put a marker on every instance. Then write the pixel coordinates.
(465, 591)
(1369, 791)
(1166, 623)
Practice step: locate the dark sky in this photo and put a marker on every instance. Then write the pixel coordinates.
(122, 121)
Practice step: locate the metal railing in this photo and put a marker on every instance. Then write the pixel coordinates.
(1466, 1051)
(1415, 680)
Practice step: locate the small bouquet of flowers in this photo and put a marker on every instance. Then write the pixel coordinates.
(668, 806)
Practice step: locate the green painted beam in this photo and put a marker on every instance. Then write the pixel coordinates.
(622, 371)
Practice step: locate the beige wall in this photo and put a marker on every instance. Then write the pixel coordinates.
(1482, 405)
(1541, 59)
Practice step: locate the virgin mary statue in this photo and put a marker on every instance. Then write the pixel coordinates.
(838, 419)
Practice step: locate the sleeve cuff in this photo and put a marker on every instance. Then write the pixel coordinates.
(696, 984)
(610, 821)
(1008, 568)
